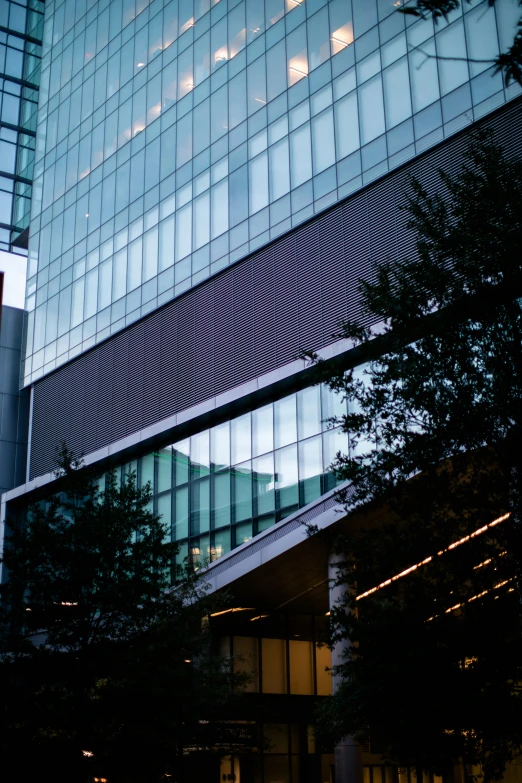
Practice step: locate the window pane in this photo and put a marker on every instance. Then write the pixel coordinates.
(301, 668)
(201, 220)
(341, 25)
(256, 82)
(220, 446)
(258, 176)
(286, 477)
(424, 77)
(219, 195)
(200, 506)
(199, 453)
(285, 421)
(346, 126)
(119, 281)
(279, 170)
(274, 665)
(323, 141)
(262, 430)
(318, 39)
(296, 54)
(264, 486)
(300, 155)
(240, 439)
(166, 250)
(371, 109)
(310, 469)
(164, 467)
(275, 67)
(237, 111)
(242, 489)
(309, 412)
(150, 254)
(181, 452)
(222, 499)
(181, 514)
(396, 83)
(323, 661)
(451, 44)
(221, 544)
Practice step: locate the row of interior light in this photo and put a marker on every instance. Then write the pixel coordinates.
(407, 571)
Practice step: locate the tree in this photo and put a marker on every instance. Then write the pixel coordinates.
(101, 654)
(434, 483)
(509, 62)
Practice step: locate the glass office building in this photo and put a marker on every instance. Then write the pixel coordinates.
(175, 138)
(21, 26)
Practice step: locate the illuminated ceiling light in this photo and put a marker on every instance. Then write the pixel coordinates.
(86, 214)
(255, 30)
(259, 617)
(461, 541)
(235, 609)
(296, 70)
(140, 65)
(259, 100)
(338, 41)
(327, 614)
(474, 598)
(87, 753)
(187, 660)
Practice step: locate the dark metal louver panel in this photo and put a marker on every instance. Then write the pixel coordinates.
(249, 320)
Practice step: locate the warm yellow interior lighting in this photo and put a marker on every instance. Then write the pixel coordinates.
(235, 609)
(297, 68)
(221, 54)
(430, 558)
(342, 37)
(259, 617)
(474, 598)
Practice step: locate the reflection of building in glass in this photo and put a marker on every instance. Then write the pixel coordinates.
(211, 180)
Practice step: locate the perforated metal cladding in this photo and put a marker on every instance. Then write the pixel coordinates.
(250, 319)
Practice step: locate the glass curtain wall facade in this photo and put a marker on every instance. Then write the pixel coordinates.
(220, 487)
(21, 26)
(176, 137)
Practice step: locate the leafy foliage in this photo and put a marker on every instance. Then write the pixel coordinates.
(434, 423)
(100, 652)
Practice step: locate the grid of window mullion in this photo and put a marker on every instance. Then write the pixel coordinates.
(199, 260)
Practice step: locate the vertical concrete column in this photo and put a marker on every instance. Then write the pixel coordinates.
(348, 753)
